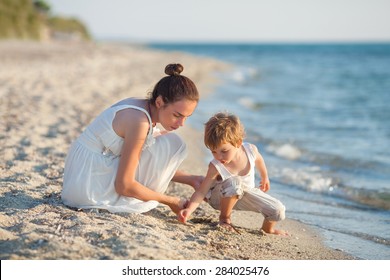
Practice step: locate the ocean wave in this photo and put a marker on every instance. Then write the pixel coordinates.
(250, 103)
(309, 178)
(369, 237)
(365, 236)
(374, 198)
(314, 179)
(287, 151)
(244, 75)
(330, 161)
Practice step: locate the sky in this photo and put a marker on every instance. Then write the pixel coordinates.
(231, 20)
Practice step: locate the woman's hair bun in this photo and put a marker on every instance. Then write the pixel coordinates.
(174, 69)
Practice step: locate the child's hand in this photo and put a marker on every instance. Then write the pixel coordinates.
(183, 215)
(265, 185)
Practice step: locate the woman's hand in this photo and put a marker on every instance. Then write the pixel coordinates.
(176, 204)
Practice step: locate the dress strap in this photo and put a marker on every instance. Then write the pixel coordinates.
(225, 174)
(249, 151)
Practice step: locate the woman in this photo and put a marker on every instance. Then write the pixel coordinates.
(121, 163)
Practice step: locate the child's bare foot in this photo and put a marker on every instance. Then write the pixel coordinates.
(268, 227)
(277, 232)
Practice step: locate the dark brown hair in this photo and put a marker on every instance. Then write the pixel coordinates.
(174, 87)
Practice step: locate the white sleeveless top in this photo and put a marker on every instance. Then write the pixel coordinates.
(247, 180)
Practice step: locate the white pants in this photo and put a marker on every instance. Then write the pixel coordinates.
(250, 199)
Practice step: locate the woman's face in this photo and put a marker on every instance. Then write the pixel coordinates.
(173, 115)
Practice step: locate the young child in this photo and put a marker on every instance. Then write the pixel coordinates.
(230, 180)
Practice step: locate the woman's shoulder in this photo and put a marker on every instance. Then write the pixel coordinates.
(131, 103)
(132, 107)
(131, 116)
(128, 101)
(130, 119)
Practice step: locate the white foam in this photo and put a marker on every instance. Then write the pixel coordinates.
(306, 178)
(238, 76)
(247, 102)
(241, 75)
(286, 151)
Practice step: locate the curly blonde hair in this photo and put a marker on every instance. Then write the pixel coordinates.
(223, 128)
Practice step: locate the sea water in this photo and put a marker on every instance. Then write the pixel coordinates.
(320, 116)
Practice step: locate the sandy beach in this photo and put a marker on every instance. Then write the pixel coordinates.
(48, 93)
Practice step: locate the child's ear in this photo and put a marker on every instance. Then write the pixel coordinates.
(239, 143)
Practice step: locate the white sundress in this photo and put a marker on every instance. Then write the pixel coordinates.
(92, 163)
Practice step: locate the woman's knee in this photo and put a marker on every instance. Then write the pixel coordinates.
(173, 142)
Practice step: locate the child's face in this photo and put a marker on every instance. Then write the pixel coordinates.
(225, 153)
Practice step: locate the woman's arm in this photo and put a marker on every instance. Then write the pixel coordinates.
(134, 134)
(183, 177)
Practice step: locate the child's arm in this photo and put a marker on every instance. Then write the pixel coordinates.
(261, 167)
(198, 196)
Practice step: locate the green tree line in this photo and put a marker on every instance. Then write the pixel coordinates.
(31, 20)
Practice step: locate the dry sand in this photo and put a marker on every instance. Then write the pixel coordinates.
(48, 93)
